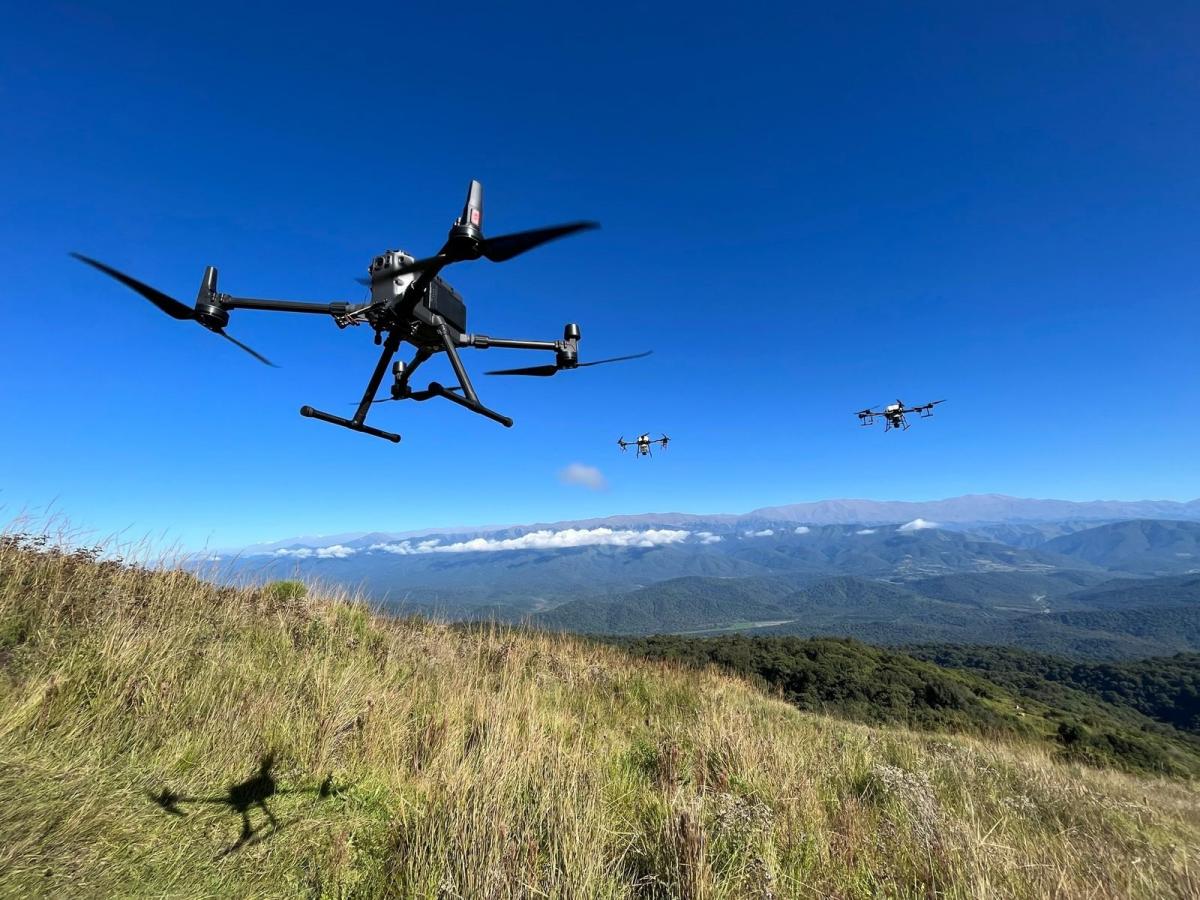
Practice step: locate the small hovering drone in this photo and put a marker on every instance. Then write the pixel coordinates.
(409, 303)
(643, 444)
(893, 414)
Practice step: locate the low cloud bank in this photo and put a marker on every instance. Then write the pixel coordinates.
(547, 540)
(544, 539)
(766, 532)
(337, 551)
(866, 531)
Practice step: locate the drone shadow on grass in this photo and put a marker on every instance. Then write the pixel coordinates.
(243, 797)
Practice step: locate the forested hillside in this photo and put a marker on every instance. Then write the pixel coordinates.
(1139, 716)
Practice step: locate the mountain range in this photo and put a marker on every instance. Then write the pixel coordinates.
(969, 509)
(997, 570)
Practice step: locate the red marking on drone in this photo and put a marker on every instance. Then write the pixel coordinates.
(474, 217)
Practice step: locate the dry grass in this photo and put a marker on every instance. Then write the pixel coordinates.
(495, 764)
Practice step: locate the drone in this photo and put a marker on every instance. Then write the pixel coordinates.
(893, 414)
(410, 303)
(643, 443)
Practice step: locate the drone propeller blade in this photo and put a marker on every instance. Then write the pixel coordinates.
(262, 359)
(613, 359)
(506, 246)
(169, 305)
(552, 369)
(529, 370)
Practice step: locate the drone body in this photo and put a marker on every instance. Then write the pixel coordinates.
(643, 444)
(410, 303)
(893, 414)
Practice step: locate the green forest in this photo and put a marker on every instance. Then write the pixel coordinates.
(1140, 716)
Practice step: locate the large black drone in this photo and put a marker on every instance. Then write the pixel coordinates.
(409, 303)
(893, 414)
(643, 444)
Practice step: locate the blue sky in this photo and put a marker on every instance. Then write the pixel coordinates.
(805, 211)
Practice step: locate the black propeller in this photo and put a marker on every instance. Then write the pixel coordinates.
(497, 249)
(167, 304)
(467, 242)
(551, 369)
(505, 247)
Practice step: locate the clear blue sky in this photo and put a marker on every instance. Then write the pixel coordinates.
(804, 212)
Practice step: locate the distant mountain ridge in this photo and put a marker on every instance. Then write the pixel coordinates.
(969, 509)
(978, 508)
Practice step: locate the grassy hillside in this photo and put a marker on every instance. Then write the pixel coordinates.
(142, 713)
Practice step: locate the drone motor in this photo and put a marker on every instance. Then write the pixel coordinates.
(209, 311)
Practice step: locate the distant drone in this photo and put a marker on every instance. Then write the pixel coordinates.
(409, 303)
(643, 444)
(893, 414)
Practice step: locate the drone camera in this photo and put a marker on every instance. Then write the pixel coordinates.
(389, 288)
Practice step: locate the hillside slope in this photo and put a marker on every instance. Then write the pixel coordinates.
(1141, 546)
(153, 727)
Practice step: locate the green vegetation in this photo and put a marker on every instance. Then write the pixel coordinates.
(142, 712)
(868, 684)
(1165, 689)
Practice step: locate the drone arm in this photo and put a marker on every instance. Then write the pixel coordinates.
(484, 342)
(327, 309)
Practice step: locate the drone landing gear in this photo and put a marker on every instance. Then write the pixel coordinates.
(310, 413)
(451, 394)
(358, 423)
(463, 393)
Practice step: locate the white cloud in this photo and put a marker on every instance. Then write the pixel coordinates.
(585, 476)
(866, 531)
(547, 540)
(544, 539)
(404, 548)
(766, 532)
(802, 529)
(337, 551)
(917, 525)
